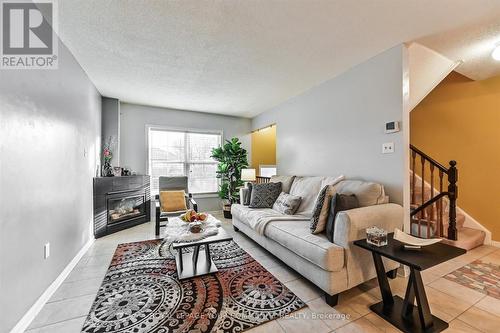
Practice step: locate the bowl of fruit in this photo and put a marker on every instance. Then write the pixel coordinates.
(192, 216)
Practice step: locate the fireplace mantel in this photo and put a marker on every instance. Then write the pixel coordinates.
(110, 192)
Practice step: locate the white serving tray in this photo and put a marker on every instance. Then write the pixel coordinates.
(403, 237)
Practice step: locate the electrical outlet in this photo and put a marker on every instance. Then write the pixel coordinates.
(388, 148)
(46, 250)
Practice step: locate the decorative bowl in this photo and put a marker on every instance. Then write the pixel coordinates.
(196, 227)
(403, 237)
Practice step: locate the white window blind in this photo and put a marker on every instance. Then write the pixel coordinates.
(184, 153)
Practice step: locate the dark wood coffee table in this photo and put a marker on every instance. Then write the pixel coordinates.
(198, 262)
(401, 312)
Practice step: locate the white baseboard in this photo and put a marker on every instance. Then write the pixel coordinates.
(26, 320)
(495, 243)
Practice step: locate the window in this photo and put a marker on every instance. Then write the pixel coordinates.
(267, 170)
(180, 153)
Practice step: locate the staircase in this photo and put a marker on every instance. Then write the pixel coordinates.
(434, 191)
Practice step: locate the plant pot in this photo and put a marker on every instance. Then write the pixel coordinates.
(227, 211)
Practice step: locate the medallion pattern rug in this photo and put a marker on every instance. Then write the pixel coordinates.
(141, 293)
(480, 276)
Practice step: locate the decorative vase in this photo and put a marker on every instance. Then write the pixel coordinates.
(227, 211)
(107, 169)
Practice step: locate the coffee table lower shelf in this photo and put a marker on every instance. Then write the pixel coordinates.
(189, 266)
(392, 314)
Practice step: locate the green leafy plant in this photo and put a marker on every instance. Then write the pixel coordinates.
(232, 158)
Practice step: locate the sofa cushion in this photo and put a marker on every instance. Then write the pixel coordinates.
(332, 180)
(286, 182)
(245, 214)
(308, 189)
(264, 195)
(368, 193)
(287, 203)
(296, 236)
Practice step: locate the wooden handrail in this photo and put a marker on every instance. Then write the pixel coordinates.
(428, 203)
(428, 158)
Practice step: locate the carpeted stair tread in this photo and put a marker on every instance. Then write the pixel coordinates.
(468, 238)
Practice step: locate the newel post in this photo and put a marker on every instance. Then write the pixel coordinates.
(453, 194)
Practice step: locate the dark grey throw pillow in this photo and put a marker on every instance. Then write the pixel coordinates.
(249, 194)
(264, 195)
(339, 203)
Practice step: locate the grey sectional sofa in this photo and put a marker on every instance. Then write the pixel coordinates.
(333, 267)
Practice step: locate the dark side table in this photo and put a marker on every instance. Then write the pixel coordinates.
(401, 312)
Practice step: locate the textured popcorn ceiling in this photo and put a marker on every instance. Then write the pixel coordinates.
(473, 45)
(242, 57)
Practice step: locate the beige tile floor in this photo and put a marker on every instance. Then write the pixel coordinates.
(465, 309)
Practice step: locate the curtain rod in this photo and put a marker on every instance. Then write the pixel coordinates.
(263, 128)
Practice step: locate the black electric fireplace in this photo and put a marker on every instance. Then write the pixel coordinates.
(120, 202)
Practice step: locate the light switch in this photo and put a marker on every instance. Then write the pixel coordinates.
(388, 148)
(46, 250)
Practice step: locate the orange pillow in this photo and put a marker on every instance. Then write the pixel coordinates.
(172, 201)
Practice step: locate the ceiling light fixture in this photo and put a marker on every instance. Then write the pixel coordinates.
(496, 53)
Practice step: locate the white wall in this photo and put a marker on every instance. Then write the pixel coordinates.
(50, 126)
(133, 145)
(111, 127)
(338, 126)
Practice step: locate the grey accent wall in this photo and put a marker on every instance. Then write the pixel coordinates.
(111, 126)
(338, 126)
(50, 126)
(133, 145)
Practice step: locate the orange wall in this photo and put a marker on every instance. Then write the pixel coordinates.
(264, 147)
(460, 120)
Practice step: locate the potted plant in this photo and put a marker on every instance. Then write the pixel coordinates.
(232, 158)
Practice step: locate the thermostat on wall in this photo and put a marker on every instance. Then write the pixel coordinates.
(392, 127)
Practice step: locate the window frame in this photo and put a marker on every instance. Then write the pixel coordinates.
(184, 130)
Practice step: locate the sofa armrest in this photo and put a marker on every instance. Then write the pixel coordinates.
(191, 203)
(350, 225)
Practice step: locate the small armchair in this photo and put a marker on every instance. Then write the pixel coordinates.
(172, 184)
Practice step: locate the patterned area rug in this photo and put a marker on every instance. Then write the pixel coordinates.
(480, 276)
(141, 293)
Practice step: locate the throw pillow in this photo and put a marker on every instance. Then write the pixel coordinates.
(172, 201)
(244, 196)
(287, 203)
(286, 182)
(340, 202)
(250, 187)
(264, 195)
(322, 209)
(245, 193)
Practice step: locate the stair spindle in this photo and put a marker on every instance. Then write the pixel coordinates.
(452, 195)
(440, 205)
(413, 156)
(431, 208)
(422, 195)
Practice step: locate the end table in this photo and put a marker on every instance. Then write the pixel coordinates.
(401, 312)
